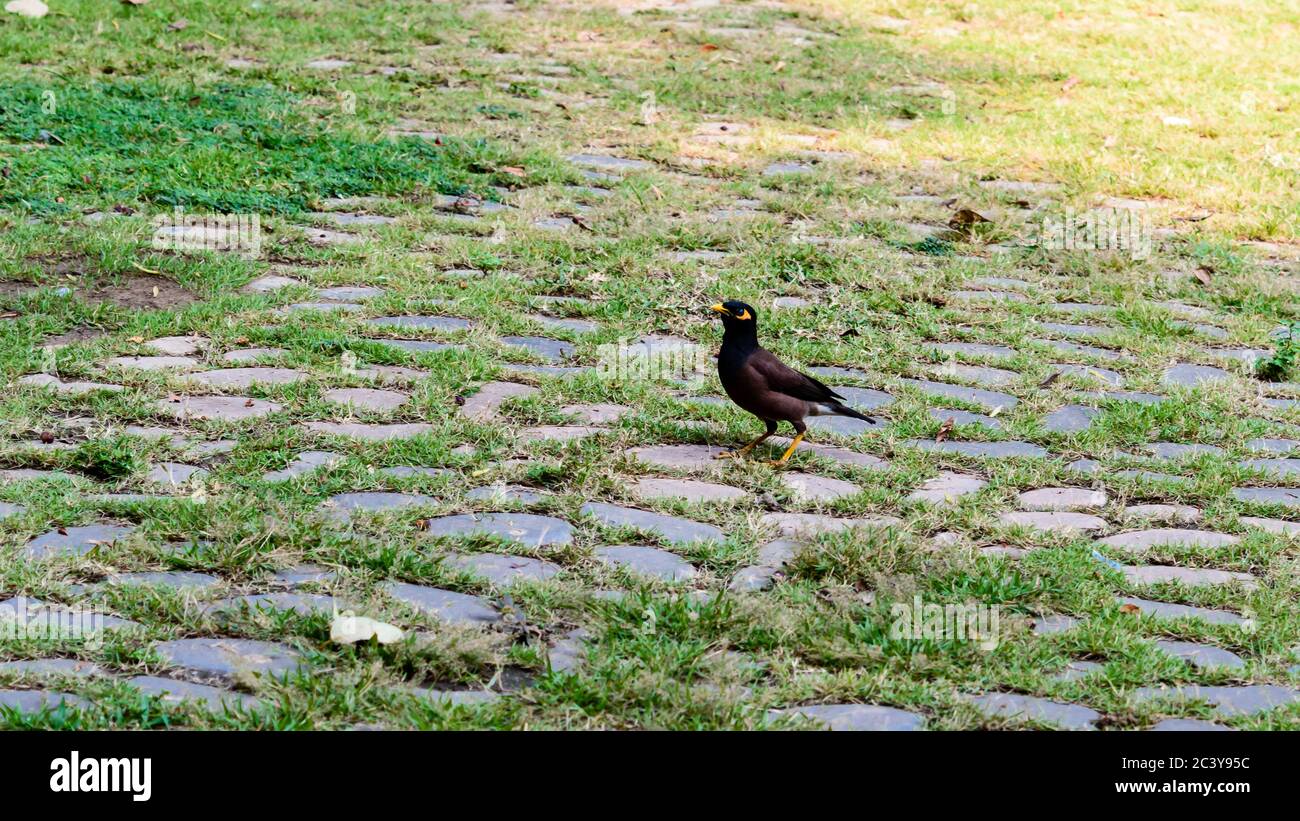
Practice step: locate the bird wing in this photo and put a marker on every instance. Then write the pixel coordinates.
(781, 378)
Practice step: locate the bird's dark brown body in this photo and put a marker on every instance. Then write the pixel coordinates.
(759, 382)
(765, 386)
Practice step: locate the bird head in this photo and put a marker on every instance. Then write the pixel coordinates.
(735, 313)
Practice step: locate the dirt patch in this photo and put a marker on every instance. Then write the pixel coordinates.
(144, 291)
(83, 333)
(11, 289)
(148, 292)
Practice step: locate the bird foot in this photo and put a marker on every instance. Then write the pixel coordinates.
(778, 463)
(726, 454)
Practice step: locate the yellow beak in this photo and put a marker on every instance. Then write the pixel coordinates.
(720, 309)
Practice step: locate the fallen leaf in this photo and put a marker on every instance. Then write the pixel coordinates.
(945, 429)
(1050, 379)
(965, 218)
(514, 171)
(1130, 609)
(708, 47)
(179, 25)
(248, 403)
(1070, 83)
(134, 2)
(1202, 275)
(349, 629)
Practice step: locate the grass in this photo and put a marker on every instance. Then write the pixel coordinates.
(512, 96)
(224, 149)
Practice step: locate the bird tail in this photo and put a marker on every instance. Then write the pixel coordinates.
(839, 409)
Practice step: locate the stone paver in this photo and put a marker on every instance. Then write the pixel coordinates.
(680, 457)
(252, 355)
(1052, 624)
(804, 525)
(153, 363)
(67, 388)
(175, 475)
(503, 494)
(863, 717)
(302, 604)
(75, 541)
(1189, 576)
(551, 350)
(228, 660)
(811, 488)
(1274, 468)
(44, 668)
(1018, 707)
(174, 579)
(367, 399)
(1138, 542)
(989, 400)
(689, 490)
(240, 378)
(983, 450)
(484, 404)
(524, 528)
(1173, 514)
(1062, 499)
(946, 488)
(342, 507)
(34, 701)
(1192, 375)
(177, 345)
(646, 561)
(961, 417)
(218, 408)
(445, 605)
(501, 569)
(171, 691)
(307, 462)
(1070, 419)
(1278, 526)
(1061, 522)
(671, 529)
(304, 574)
(1226, 701)
(1202, 656)
(369, 432)
(423, 323)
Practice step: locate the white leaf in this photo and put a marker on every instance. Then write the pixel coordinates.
(349, 629)
(27, 8)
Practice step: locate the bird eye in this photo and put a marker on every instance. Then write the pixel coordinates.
(743, 315)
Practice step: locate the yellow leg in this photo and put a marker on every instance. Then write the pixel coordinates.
(785, 457)
(743, 451)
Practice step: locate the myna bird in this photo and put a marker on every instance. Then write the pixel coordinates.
(765, 386)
